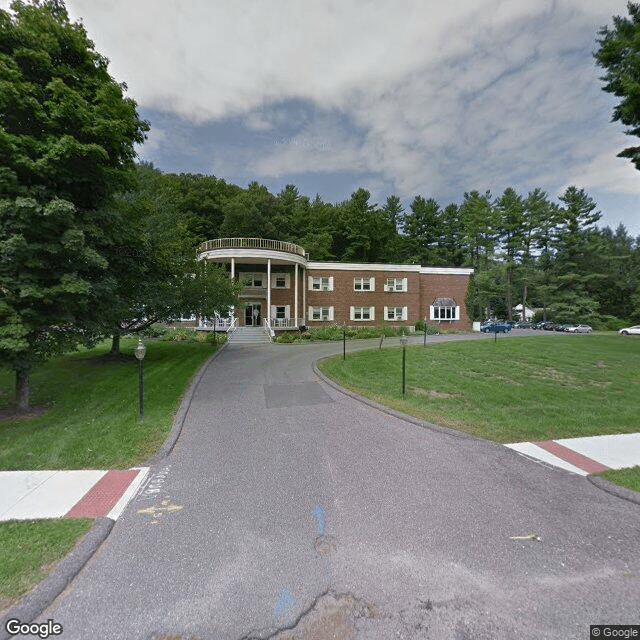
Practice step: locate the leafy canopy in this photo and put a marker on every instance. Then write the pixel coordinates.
(619, 55)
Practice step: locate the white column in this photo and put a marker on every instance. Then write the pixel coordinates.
(295, 306)
(304, 294)
(269, 289)
(233, 275)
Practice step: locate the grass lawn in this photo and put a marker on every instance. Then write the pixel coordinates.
(30, 548)
(629, 478)
(92, 422)
(512, 390)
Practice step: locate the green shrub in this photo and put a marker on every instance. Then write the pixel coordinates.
(337, 331)
(432, 330)
(154, 331)
(180, 334)
(607, 323)
(212, 338)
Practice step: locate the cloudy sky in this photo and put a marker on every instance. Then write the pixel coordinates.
(400, 97)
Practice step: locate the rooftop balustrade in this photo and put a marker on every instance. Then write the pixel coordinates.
(251, 243)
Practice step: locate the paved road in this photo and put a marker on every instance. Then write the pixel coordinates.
(289, 504)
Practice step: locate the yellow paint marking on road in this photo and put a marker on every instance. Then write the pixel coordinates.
(165, 506)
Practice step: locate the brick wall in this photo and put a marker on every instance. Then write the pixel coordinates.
(422, 289)
(434, 286)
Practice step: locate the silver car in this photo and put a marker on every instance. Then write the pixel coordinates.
(629, 331)
(581, 328)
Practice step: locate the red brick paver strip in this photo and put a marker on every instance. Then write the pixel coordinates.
(104, 495)
(574, 458)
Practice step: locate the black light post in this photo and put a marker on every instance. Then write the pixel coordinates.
(344, 341)
(140, 352)
(403, 341)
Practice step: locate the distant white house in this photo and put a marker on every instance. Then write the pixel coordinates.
(528, 313)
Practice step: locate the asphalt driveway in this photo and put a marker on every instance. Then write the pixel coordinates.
(288, 504)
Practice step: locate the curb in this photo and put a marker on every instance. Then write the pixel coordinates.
(42, 596)
(181, 414)
(600, 483)
(614, 489)
(392, 412)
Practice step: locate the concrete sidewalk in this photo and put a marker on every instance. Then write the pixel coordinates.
(27, 495)
(585, 455)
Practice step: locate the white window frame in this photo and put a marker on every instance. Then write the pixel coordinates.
(358, 313)
(398, 285)
(317, 283)
(395, 317)
(364, 283)
(446, 314)
(324, 314)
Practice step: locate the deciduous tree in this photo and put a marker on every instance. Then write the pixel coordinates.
(67, 136)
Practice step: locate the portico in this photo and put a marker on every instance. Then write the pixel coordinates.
(273, 272)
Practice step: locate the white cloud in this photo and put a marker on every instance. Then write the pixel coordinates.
(433, 97)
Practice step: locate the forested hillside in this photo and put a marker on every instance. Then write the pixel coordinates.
(546, 252)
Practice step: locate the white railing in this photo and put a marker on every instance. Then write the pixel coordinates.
(217, 324)
(268, 330)
(233, 325)
(284, 323)
(251, 243)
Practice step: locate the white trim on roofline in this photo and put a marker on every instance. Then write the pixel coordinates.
(368, 266)
(363, 266)
(450, 271)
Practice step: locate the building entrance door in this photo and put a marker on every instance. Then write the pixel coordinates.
(252, 314)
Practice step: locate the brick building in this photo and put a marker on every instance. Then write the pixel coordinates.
(288, 290)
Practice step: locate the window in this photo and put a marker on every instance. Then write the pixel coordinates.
(362, 313)
(396, 284)
(254, 279)
(280, 281)
(320, 313)
(320, 283)
(281, 313)
(444, 309)
(395, 313)
(363, 284)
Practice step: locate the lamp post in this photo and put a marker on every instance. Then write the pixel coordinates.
(403, 341)
(344, 341)
(140, 352)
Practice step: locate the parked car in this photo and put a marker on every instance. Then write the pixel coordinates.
(581, 328)
(548, 326)
(523, 324)
(629, 331)
(498, 326)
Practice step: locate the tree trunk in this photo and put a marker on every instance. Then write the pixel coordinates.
(115, 343)
(524, 303)
(509, 295)
(22, 389)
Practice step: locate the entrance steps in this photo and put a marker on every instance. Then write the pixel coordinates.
(248, 336)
